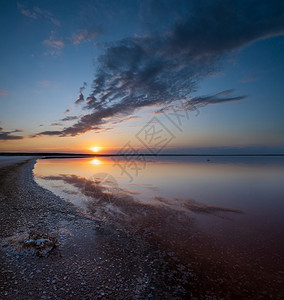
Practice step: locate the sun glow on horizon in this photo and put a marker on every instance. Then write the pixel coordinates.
(96, 149)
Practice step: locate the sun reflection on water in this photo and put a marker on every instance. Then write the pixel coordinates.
(96, 161)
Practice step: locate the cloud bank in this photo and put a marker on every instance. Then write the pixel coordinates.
(7, 135)
(158, 69)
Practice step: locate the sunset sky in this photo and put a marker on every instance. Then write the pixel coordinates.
(204, 76)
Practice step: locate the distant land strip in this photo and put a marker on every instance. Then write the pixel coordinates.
(76, 155)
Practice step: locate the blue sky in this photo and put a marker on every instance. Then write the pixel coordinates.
(136, 59)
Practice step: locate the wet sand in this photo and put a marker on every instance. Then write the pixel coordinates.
(159, 255)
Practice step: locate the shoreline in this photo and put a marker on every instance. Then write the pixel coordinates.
(87, 264)
(99, 259)
(34, 207)
(90, 155)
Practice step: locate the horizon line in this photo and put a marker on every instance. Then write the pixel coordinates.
(74, 155)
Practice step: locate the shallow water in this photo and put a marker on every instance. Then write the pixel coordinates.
(204, 210)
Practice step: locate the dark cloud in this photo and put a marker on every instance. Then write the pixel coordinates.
(8, 135)
(216, 27)
(213, 99)
(67, 111)
(69, 118)
(193, 104)
(121, 119)
(81, 95)
(52, 133)
(158, 69)
(97, 129)
(80, 98)
(55, 124)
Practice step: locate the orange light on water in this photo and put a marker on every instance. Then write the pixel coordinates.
(96, 161)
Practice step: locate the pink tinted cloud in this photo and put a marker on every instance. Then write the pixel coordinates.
(85, 35)
(37, 13)
(3, 92)
(248, 79)
(54, 46)
(44, 83)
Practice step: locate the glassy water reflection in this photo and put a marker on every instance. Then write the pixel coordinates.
(206, 211)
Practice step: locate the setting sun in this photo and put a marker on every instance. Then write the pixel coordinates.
(96, 149)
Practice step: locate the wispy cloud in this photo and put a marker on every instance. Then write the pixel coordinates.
(56, 132)
(44, 83)
(70, 118)
(248, 79)
(37, 13)
(193, 104)
(51, 133)
(159, 69)
(122, 119)
(8, 135)
(56, 124)
(54, 45)
(67, 111)
(85, 35)
(26, 12)
(3, 92)
(81, 98)
(97, 129)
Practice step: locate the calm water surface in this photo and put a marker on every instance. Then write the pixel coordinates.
(226, 212)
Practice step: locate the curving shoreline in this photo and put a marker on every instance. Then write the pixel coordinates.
(27, 206)
(114, 262)
(88, 264)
